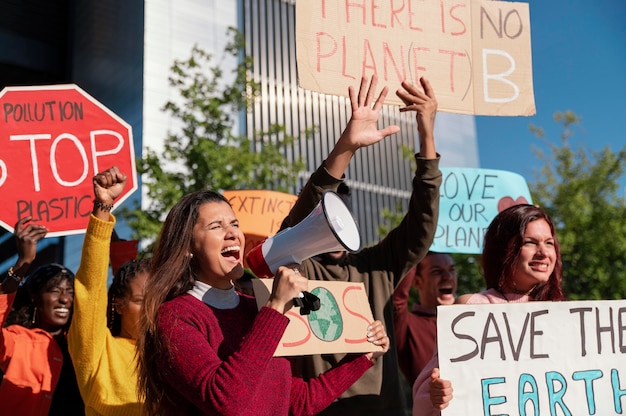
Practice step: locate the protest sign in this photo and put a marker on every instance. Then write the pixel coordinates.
(260, 213)
(53, 140)
(339, 326)
(534, 358)
(469, 199)
(475, 53)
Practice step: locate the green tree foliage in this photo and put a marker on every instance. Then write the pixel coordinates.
(580, 189)
(206, 153)
(390, 219)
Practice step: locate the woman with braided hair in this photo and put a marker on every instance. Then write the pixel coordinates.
(125, 297)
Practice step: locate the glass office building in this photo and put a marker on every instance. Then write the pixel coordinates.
(121, 51)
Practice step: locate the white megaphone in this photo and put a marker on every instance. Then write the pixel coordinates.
(329, 227)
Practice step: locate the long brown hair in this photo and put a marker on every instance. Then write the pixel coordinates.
(503, 243)
(171, 275)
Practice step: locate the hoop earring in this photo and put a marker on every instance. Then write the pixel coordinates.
(112, 317)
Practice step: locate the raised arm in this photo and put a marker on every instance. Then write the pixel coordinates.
(401, 294)
(88, 330)
(27, 234)
(425, 105)
(361, 131)
(401, 311)
(409, 242)
(107, 186)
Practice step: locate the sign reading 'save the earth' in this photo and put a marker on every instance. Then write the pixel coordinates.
(534, 358)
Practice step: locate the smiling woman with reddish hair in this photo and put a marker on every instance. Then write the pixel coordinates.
(521, 263)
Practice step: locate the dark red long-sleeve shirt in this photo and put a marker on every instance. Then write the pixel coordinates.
(416, 331)
(220, 361)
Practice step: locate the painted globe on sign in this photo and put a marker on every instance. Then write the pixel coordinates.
(326, 323)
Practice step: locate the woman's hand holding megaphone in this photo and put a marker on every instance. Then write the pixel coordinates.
(288, 284)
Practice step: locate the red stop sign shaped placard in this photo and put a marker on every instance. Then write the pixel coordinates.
(53, 140)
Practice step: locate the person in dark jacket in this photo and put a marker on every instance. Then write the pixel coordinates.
(380, 267)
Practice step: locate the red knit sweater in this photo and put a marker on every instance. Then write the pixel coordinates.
(416, 331)
(220, 361)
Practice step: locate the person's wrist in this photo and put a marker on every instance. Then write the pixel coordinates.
(277, 305)
(345, 144)
(107, 207)
(14, 276)
(10, 282)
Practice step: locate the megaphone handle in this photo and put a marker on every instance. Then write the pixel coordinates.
(307, 302)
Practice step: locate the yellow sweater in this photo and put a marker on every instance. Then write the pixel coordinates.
(104, 364)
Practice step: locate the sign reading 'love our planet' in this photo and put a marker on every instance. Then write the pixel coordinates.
(469, 199)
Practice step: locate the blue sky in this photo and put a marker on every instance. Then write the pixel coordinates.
(579, 64)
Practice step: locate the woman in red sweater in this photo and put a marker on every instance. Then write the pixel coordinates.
(205, 348)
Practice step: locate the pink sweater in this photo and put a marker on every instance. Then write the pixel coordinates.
(220, 361)
(494, 296)
(421, 396)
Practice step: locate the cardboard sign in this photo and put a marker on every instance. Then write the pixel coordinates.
(475, 53)
(339, 326)
(469, 200)
(260, 213)
(53, 140)
(548, 358)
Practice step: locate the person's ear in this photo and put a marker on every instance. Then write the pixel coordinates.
(417, 281)
(118, 306)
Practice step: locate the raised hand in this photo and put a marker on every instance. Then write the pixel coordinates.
(424, 104)
(27, 234)
(108, 185)
(362, 129)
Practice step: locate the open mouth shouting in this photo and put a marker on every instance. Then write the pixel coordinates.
(233, 253)
(445, 294)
